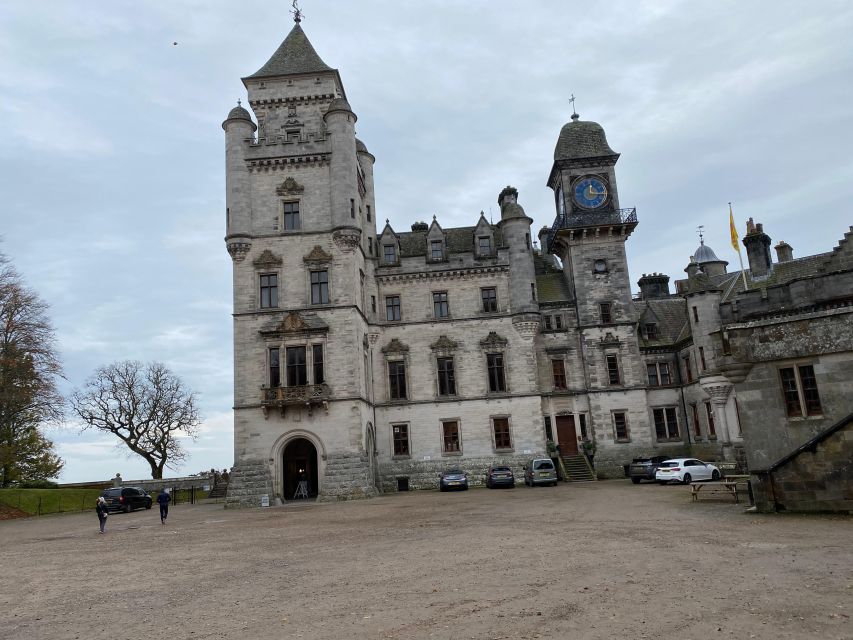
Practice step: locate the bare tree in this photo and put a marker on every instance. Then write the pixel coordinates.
(29, 369)
(146, 406)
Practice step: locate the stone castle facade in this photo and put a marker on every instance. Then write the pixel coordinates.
(370, 359)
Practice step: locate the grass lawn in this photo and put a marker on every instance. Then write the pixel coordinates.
(42, 501)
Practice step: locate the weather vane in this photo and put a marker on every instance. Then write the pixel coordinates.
(701, 230)
(297, 12)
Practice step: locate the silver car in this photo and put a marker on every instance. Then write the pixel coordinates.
(540, 471)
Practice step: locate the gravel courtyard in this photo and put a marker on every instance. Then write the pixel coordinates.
(603, 560)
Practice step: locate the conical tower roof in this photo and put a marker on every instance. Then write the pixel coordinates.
(295, 55)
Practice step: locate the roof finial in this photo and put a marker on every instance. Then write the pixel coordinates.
(575, 115)
(701, 230)
(297, 12)
(239, 104)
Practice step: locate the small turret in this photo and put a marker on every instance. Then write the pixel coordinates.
(515, 226)
(343, 176)
(239, 129)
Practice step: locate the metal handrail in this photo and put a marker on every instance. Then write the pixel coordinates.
(579, 220)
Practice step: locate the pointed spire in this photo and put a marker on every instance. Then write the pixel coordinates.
(295, 55)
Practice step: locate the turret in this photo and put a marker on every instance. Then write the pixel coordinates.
(515, 226)
(239, 129)
(343, 176)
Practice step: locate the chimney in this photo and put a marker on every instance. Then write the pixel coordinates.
(784, 252)
(757, 245)
(543, 247)
(508, 195)
(654, 285)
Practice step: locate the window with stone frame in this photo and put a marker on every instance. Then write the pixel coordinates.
(290, 213)
(547, 323)
(501, 432)
(613, 375)
(549, 433)
(695, 314)
(296, 363)
(320, 287)
(495, 366)
(352, 208)
(373, 304)
(666, 423)
(702, 358)
(484, 245)
(620, 426)
(688, 372)
(450, 440)
(800, 392)
(558, 321)
(582, 422)
(389, 253)
(274, 361)
(558, 371)
(651, 330)
(697, 427)
(712, 428)
(370, 245)
(436, 250)
(533, 291)
(489, 296)
(446, 377)
(397, 380)
(317, 364)
(269, 290)
(400, 433)
(605, 311)
(392, 308)
(369, 215)
(658, 373)
(440, 304)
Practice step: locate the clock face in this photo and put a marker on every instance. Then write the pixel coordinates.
(590, 193)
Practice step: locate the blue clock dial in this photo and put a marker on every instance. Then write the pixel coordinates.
(590, 193)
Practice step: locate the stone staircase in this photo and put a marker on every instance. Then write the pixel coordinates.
(577, 469)
(220, 490)
(347, 477)
(249, 481)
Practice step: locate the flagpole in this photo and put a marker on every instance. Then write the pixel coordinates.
(736, 245)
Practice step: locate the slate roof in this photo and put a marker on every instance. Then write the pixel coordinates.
(582, 139)
(239, 113)
(705, 254)
(670, 315)
(782, 273)
(294, 55)
(552, 287)
(459, 240)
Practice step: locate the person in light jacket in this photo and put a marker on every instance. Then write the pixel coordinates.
(163, 499)
(101, 510)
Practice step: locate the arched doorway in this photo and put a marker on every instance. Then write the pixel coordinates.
(299, 463)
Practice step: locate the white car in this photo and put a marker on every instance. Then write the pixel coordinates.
(685, 470)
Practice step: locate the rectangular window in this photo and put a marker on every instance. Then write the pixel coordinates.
(533, 291)
(297, 371)
(613, 370)
(605, 310)
(369, 217)
(702, 358)
(319, 287)
(317, 357)
(401, 439)
(291, 216)
(658, 374)
(558, 369)
(688, 373)
(436, 251)
(390, 253)
(697, 428)
(666, 423)
(392, 308)
(485, 245)
(269, 291)
(799, 389)
(712, 430)
(373, 304)
(441, 308)
(665, 378)
(549, 434)
(446, 377)
(489, 296)
(370, 245)
(450, 436)
(397, 380)
(495, 365)
(695, 314)
(558, 322)
(547, 320)
(652, 370)
(651, 331)
(352, 208)
(582, 420)
(620, 425)
(275, 367)
(501, 429)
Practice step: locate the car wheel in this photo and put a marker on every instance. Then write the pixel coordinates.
(148, 505)
(128, 508)
(635, 480)
(687, 478)
(661, 482)
(715, 475)
(442, 488)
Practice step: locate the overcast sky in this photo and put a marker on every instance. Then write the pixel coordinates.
(112, 154)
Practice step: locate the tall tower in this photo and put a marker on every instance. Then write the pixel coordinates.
(300, 230)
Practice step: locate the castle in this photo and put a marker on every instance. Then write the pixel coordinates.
(370, 359)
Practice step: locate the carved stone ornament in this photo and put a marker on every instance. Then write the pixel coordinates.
(609, 338)
(395, 346)
(493, 342)
(318, 255)
(267, 259)
(292, 322)
(526, 325)
(444, 345)
(289, 187)
(238, 250)
(718, 388)
(347, 239)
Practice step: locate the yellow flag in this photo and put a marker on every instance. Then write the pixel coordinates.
(733, 230)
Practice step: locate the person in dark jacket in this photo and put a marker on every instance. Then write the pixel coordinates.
(163, 499)
(101, 510)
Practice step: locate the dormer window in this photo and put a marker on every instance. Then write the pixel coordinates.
(389, 253)
(484, 244)
(436, 250)
(651, 331)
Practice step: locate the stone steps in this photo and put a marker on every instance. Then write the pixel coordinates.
(577, 469)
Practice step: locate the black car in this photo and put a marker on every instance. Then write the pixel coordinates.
(499, 477)
(453, 479)
(126, 499)
(645, 468)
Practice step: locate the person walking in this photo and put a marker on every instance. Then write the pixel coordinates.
(101, 510)
(163, 499)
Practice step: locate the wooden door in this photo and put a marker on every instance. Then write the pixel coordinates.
(567, 437)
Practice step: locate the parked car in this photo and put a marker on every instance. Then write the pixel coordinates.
(540, 471)
(685, 470)
(644, 468)
(453, 479)
(126, 499)
(499, 477)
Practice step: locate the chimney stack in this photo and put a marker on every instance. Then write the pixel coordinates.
(654, 285)
(757, 245)
(784, 252)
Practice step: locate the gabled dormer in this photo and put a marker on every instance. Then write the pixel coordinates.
(484, 238)
(436, 243)
(389, 247)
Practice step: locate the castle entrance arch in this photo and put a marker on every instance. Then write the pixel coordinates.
(299, 463)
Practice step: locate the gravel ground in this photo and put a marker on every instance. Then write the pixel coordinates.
(601, 560)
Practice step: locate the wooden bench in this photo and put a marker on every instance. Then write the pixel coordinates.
(724, 486)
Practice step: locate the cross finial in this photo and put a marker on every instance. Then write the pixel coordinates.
(297, 12)
(575, 115)
(239, 104)
(701, 230)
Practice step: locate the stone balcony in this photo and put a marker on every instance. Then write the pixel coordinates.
(308, 396)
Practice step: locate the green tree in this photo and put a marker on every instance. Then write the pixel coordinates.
(147, 407)
(29, 369)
